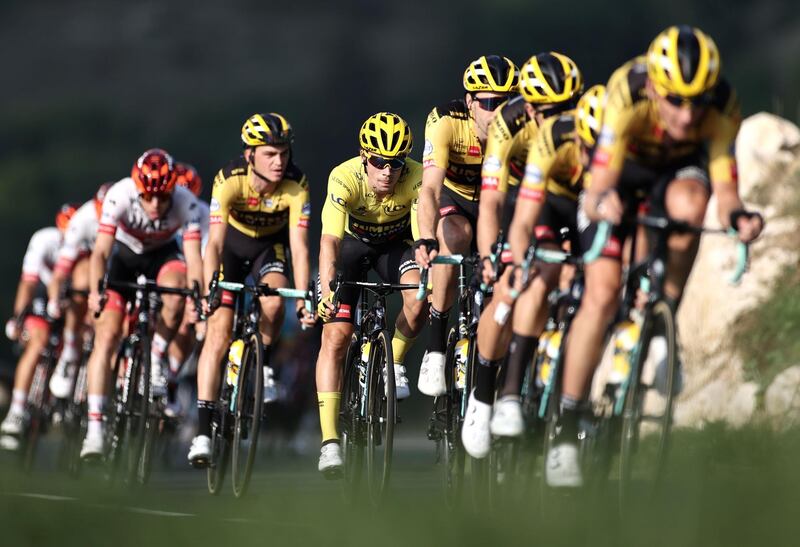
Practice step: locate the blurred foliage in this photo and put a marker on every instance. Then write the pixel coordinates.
(89, 85)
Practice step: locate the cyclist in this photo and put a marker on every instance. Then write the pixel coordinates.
(72, 268)
(367, 223)
(259, 211)
(141, 216)
(180, 348)
(550, 84)
(30, 321)
(668, 131)
(455, 138)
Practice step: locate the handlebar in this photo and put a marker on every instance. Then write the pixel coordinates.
(452, 260)
(146, 286)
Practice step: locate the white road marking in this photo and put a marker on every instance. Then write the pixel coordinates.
(157, 513)
(42, 496)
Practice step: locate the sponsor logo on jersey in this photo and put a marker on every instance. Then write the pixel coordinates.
(338, 201)
(392, 210)
(428, 149)
(268, 202)
(606, 137)
(449, 210)
(601, 157)
(535, 194)
(428, 163)
(491, 164)
(533, 174)
(252, 202)
(214, 205)
(306, 208)
(490, 183)
(344, 312)
(474, 151)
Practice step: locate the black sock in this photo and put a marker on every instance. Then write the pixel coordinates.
(204, 411)
(519, 359)
(485, 376)
(568, 419)
(437, 338)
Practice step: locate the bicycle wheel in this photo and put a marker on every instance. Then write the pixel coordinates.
(247, 414)
(38, 414)
(139, 408)
(119, 409)
(647, 412)
(152, 432)
(549, 409)
(75, 423)
(446, 412)
(381, 409)
(220, 443)
(350, 424)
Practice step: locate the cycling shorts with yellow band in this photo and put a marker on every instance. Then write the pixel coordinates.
(451, 144)
(352, 207)
(507, 142)
(234, 201)
(390, 260)
(244, 256)
(632, 129)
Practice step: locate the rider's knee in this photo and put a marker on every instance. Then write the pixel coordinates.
(335, 340)
(272, 307)
(601, 301)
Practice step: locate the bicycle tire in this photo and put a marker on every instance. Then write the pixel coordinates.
(76, 422)
(38, 414)
(381, 412)
(449, 446)
(247, 413)
(350, 424)
(220, 443)
(551, 416)
(139, 408)
(118, 412)
(647, 475)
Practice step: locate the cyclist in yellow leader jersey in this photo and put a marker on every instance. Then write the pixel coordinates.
(367, 223)
(669, 130)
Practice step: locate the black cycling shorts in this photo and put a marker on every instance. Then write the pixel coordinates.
(126, 266)
(450, 204)
(389, 260)
(642, 187)
(558, 221)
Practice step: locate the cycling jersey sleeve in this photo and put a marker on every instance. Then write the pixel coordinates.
(541, 157)
(334, 212)
(190, 213)
(722, 149)
(613, 138)
(300, 206)
(77, 237)
(35, 259)
(221, 196)
(113, 208)
(438, 135)
(494, 171)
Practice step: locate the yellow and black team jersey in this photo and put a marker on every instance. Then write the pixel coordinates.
(554, 160)
(353, 207)
(234, 201)
(633, 130)
(507, 143)
(451, 144)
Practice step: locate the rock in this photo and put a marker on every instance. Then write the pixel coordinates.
(766, 145)
(782, 398)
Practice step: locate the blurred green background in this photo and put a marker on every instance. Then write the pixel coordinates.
(88, 85)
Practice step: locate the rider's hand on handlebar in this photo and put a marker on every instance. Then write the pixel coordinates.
(306, 318)
(748, 224)
(12, 329)
(95, 300)
(487, 272)
(325, 309)
(425, 250)
(608, 207)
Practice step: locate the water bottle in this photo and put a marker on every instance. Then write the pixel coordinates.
(234, 361)
(461, 353)
(626, 336)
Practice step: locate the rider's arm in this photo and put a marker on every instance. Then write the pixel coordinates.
(97, 262)
(721, 159)
(489, 214)
(25, 291)
(334, 217)
(435, 158)
(494, 182)
(299, 219)
(328, 254)
(219, 209)
(32, 264)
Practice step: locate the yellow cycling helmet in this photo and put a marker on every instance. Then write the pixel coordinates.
(385, 134)
(683, 61)
(550, 78)
(589, 114)
(261, 129)
(491, 73)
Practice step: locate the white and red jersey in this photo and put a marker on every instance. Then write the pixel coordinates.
(78, 237)
(124, 216)
(40, 258)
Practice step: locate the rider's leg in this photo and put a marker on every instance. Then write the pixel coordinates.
(209, 364)
(171, 274)
(37, 331)
(107, 333)
(74, 323)
(687, 200)
(335, 342)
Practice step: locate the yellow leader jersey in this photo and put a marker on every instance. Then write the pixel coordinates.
(632, 129)
(352, 206)
(234, 201)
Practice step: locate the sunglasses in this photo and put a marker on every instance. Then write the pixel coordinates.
(490, 103)
(380, 163)
(149, 196)
(699, 101)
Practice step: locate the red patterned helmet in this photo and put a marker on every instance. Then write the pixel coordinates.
(64, 214)
(154, 172)
(188, 178)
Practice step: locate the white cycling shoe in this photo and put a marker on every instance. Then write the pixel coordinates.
(14, 424)
(9, 442)
(431, 375)
(563, 468)
(62, 379)
(475, 435)
(507, 418)
(200, 451)
(92, 445)
(330, 461)
(401, 388)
